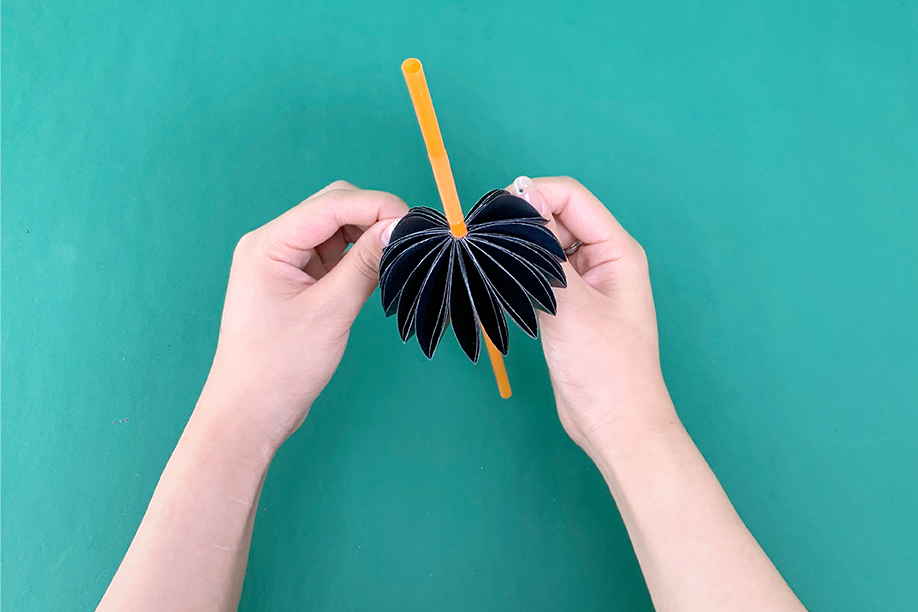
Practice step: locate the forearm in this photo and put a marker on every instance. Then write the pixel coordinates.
(693, 548)
(191, 548)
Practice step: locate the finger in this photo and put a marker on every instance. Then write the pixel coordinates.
(314, 268)
(343, 185)
(579, 258)
(293, 236)
(352, 280)
(331, 263)
(580, 212)
(524, 188)
(571, 294)
(331, 250)
(592, 261)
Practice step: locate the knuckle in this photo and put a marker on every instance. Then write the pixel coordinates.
(245, 246)
(638, 249)
(570, 182)
(394, 200)
(339, 185)
(330, 190)
(637, 255)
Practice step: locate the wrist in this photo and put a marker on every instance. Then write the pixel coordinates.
(232, 423)
(634, 434)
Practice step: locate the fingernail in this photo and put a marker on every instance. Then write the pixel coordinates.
(521, 183)
(524, 188)
(387, 232)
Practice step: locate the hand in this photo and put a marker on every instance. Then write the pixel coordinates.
(601, 348)
(292, 297)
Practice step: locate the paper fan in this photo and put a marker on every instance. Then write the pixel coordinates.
(445, 268)
(507, 262)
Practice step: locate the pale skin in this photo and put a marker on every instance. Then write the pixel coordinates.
(292, 297)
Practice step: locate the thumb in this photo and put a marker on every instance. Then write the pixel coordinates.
(353, 279)
(577, 289)
(523, 187)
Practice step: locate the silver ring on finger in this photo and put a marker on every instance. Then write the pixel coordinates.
(574, 247)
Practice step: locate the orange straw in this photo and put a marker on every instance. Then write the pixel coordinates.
(430, 129)
(497, 362)
(446, 185)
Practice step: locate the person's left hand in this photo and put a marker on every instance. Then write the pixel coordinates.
(292, 297)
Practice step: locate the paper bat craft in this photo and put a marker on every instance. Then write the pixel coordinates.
(507, 262)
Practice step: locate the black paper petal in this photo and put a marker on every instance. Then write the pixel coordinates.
(462, 314)
(498, 205)
(529, 277)
(508, 262)
(509, 291)
(487, 306)
(532, 254)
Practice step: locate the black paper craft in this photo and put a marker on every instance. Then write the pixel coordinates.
(507, 262)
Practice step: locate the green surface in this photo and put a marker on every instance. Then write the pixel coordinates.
(765, 155)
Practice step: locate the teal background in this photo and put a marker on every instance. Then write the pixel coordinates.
(765, 154)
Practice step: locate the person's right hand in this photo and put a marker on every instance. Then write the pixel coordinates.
(602, 353)
(601, 348)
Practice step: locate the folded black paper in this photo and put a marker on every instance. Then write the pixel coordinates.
(507, 262)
